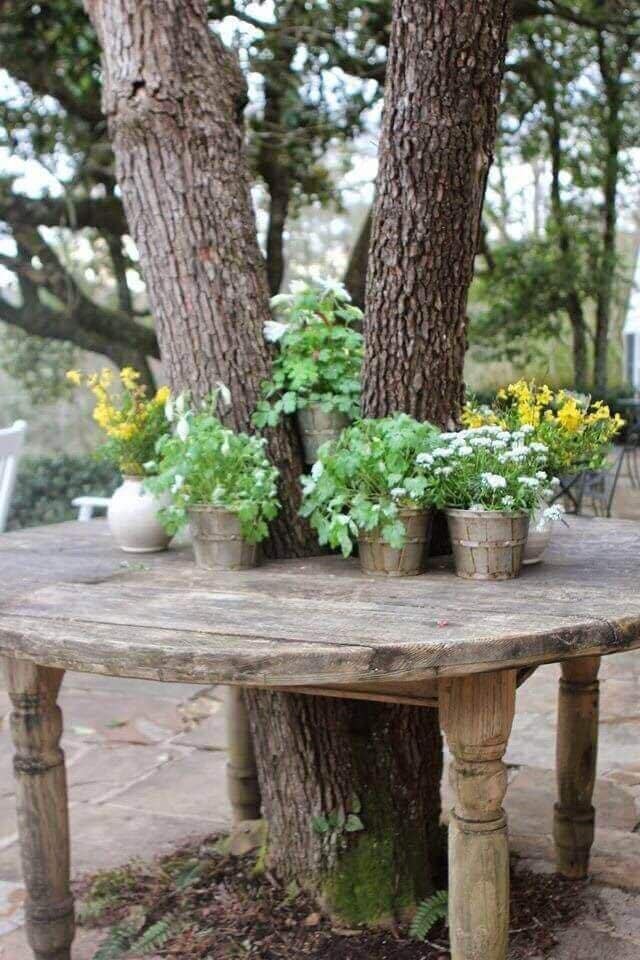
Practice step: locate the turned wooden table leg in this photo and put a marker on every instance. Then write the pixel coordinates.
(43, 821)
(576, 759)
(476, 715)
(242, 775)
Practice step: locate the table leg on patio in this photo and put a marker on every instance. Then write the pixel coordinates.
(576, 759)
(476, 714)
(43, 819)
(242, 775)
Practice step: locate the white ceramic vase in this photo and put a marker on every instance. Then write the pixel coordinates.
(133, 520)
(540, 530)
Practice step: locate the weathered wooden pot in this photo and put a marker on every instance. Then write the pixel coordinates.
(377, 558)
(488, 544)
(317, 426)
(217, 540)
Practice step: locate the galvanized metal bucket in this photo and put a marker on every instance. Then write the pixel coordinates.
(217, 540)
(488, 544)
(317, 426)
(377, 558)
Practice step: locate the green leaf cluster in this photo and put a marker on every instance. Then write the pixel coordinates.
(211, 464)
(319, 356)
(428, 913)
(363, 481)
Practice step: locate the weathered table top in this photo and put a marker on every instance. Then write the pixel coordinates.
(71, 600)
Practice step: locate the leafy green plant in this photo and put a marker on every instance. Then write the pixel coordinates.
(206, 463)
(45, 487)
(428, 913)
(319, 354)
(488, 468)
(365, 479)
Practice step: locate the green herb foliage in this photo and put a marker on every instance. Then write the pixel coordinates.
(365, 479)
(319, 354)
(206, 463)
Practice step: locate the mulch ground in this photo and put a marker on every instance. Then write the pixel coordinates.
(201, 903)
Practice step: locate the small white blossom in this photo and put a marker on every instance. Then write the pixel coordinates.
(464, 450)
(493, 480)
(531, 482)
(424, 459)
(538, 447)
(398, 492)
(224, 393)
(337, 288)
(317, 470)
(183, 428)
(280, 298)
(168, 410)
(443, 471)
(443, 452)
(177, 483)
(508, 501)
(541, 475)
(274, 331)
(298, 286)
(526, 428)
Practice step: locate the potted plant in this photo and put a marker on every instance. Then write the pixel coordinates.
(488, 480)
(368, 488)
(133, 424)
(316, 370)
(576, 432)
(219, 481)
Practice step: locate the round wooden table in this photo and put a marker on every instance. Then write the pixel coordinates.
(71, 601)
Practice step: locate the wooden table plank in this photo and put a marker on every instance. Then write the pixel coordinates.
(311, 622)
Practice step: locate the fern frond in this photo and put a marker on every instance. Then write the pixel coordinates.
(116, 944)
(428, 914)
(154, 937)
(91, 910)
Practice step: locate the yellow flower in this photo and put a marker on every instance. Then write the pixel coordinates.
(162, 395)
(545, 395)
(529, 414)
(74, 377)
(123, 431)
(570, 416)
(502, 394)
(129, 378)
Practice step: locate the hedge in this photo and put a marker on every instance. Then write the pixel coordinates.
(46, 486)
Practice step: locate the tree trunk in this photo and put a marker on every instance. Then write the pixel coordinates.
(579, 334)
(386, 772)
(441, 103)
(171, 94)
(355, 277)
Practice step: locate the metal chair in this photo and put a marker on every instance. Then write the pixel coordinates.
(598, 487)
(11, 443)
(631, 463)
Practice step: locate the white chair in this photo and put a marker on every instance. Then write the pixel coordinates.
(11, 441)
(86, 506)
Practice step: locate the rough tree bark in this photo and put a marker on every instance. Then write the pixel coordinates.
(172, 96)
(441, 103)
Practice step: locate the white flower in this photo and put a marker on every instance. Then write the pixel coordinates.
(526, 428)
(168, 410)
(480, 441)
(149, 466)
(274, 331)
(298, 286)
(498, 444)
(177, 483)
(336, 288)
(424, 459)
(464, 450)
(224, 393)
(541, 475)
(183, 428)
(280, 298)
(226, 446)
(508, 501)
(181, 403)
(443, 471)
(317, 470)
(308, 485)
(443, 452)
(554, 512)
(478, 507)
(398, 492)
(538, 447)
(529, 482)
(493, 480)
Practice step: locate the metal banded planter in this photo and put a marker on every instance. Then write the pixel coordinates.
(488, 544)
(317, 426)
(217, 540)
(377, 558)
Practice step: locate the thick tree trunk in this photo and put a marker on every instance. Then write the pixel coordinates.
(441, 103)
(172, 95)
(386, 771)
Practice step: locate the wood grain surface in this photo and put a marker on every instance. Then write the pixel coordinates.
(70, 600)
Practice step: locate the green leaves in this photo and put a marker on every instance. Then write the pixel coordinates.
(363, 481)
(319, 356)
(213, 465)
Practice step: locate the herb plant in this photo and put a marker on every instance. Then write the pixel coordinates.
(206, 463)
(488, 468)
(319, 354)
(366, 478)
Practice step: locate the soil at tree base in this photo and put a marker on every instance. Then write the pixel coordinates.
(211, 905)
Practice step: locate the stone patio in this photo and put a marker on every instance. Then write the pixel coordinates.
(146, 768)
